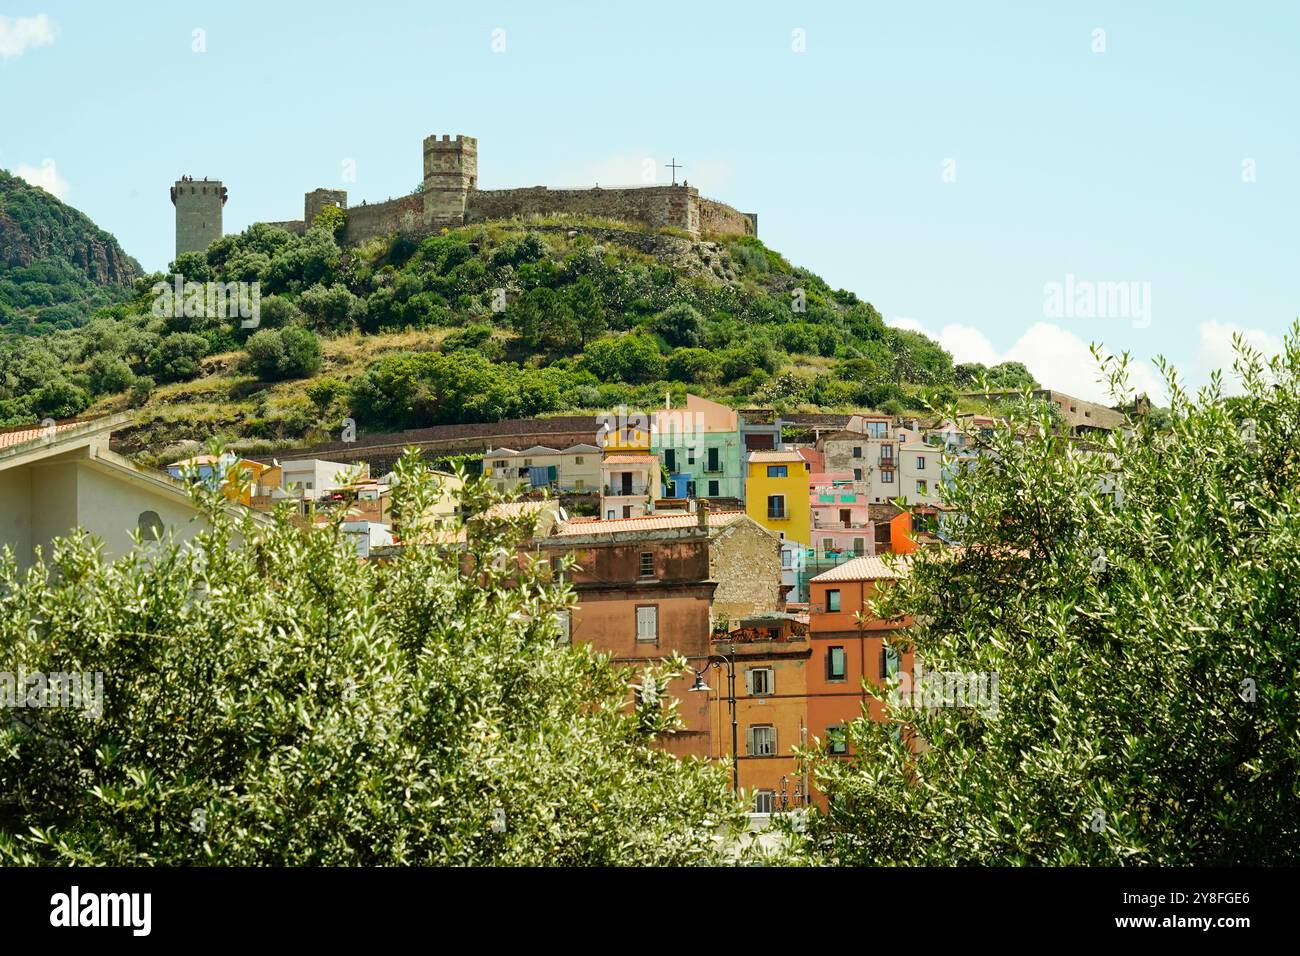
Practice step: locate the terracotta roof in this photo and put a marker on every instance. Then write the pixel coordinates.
(513, 509)
(32, 433)
(866, 568)
(628, 459)
(586, 526)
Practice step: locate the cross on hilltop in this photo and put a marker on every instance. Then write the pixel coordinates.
(674, 166)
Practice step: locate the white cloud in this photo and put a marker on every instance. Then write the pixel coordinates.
(1215, 352)
(1058, 358)
(18, 33)
(46, 176)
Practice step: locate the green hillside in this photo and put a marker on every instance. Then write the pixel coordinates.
(480, 323)
(56, 266)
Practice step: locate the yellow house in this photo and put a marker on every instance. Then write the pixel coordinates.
(776, 494)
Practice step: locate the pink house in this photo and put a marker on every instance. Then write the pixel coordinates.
(840, 520)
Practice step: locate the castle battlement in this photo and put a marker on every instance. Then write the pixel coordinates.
(450, 197)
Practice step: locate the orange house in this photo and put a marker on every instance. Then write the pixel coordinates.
(770, 654)
(848, 652)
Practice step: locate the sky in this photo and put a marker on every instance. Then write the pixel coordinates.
(1016, 179)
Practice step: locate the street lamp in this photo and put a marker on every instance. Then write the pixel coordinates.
(718, 660)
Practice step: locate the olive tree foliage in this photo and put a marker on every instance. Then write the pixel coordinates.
(1138, 603)
(271, 699)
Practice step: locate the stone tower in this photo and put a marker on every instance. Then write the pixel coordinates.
(318, 199)
(450, 174)
(198, 213)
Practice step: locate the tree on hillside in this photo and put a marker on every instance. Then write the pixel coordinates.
(1137, 604)
(269, 700)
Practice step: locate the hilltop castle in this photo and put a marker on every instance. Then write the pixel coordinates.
(450, 197)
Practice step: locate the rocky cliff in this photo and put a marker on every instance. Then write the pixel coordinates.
(56, 265)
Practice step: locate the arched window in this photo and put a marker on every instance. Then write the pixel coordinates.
(150, 526)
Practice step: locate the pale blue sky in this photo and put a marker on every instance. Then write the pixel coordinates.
(1116, 166)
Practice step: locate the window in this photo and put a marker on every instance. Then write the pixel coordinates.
(920, 463)
(836, 740)
(828, 544)
(787, 559)
(711, 462)
(877, 429)
(150, 526)
(888, 663)
(776, 506)
(690, 456)
(578, 484)
(760, 681)
(887, 475)
(835, 665)
(762, 741)
(859, 546)
(777, 471)
(846, 517)
(713, 489)
(857, 474)
(627, 511)
(610, 514)
(857, 451)
(577, 459)
(647, 623)
(765, 801)
(920, 488)
(647, 564)
(670, 459)
(833, 599)
(528, 462)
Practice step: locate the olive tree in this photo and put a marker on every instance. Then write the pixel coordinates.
(1137, 602)
(269, 698)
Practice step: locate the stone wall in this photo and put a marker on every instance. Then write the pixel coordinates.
(451, 198)
(380, 219)
(745, 560)
(654, 206)
(719, 219)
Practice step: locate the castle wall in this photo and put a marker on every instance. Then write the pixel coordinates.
(296, 226)
(655, 206)
(719, 219)
(379, 219)
(451, 198)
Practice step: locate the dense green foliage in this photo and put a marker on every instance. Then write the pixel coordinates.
(52, 275)
(267, 699)
(519, 320)
(1139, 608)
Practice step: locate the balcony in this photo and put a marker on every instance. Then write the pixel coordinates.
(619, 491)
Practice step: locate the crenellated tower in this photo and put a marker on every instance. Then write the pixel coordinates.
(198, 213)
(450, 175)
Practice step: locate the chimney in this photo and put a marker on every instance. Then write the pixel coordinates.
(702, 514)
